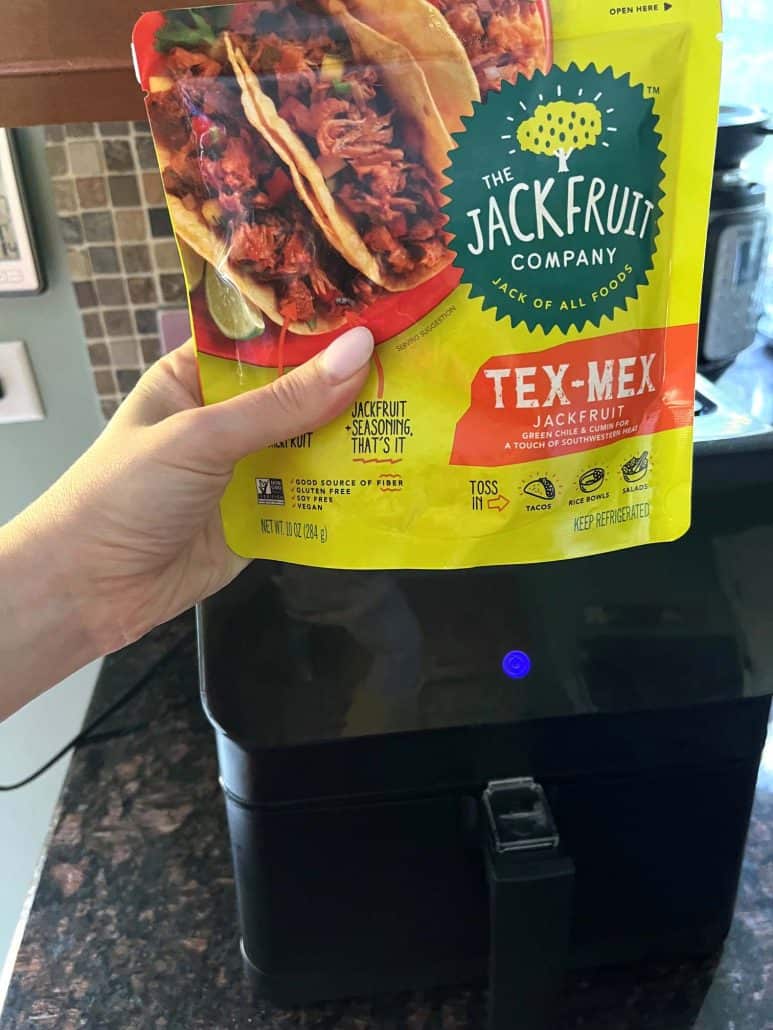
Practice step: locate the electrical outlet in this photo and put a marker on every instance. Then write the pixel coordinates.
(19, 397)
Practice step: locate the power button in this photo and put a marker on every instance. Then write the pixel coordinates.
(516, 665)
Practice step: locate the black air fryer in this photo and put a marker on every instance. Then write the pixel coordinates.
(436, 777)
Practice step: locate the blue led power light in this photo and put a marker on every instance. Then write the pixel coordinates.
(516, 665)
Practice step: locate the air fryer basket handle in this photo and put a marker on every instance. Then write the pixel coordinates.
(530, 898)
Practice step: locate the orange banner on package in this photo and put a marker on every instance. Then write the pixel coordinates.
(578, 396)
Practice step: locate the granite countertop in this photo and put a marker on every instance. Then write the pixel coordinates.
(133, 925)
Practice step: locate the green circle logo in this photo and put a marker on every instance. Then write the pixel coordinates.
(554, 200)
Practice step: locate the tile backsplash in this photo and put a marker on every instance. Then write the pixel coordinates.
(121, 252)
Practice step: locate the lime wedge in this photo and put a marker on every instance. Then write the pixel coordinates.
(193, 265)
(233, 316)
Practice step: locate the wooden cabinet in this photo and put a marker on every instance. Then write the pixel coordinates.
(69, 60)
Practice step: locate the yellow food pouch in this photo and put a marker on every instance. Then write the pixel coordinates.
(513, 196)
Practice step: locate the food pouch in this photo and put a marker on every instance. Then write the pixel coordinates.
(513, 196)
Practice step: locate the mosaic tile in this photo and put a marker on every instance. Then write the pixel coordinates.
(104, 380)
(98, 226)
(113, 128)
(72, 228)
(111, 292)
(131, 225)
(77, 130)
(99, 355)
(136, 258)
(118, 322)
(118, 155)
(151, 349)
(85, 157)
(78, 264)
(146, 320)
(64, 195)
(160, 223)
(86, 295)
(124, 353)
(92, 324)
(56, 159)
(173, 289)
(153, 188)
(92, 192)
(104, 259)
(166, 255)
(146, 154)
(124, 191)
(142, 290)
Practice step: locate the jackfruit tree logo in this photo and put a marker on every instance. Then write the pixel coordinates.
(559, 128)
(554, 200)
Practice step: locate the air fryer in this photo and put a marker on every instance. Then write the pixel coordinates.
(434, 778)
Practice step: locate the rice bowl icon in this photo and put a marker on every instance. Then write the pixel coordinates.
(591, 480)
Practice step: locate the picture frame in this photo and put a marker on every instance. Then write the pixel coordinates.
(20, 272)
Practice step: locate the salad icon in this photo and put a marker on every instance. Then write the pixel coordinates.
(636, 468)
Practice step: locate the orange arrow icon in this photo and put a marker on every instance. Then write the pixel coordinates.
(499, 502)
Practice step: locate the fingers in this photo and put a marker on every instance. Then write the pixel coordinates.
(299, 402)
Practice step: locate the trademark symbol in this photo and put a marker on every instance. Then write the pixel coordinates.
(653, 91)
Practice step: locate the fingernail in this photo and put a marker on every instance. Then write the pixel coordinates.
(348, 354)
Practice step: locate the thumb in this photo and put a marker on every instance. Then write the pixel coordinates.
(303, 400)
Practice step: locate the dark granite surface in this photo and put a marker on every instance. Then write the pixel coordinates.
(133, 925)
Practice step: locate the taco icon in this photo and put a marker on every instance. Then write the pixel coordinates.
(636, 468)
(541, 488)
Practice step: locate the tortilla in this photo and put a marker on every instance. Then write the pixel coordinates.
(423, 31)
(308, 180)
(450, 60)
(406, 84)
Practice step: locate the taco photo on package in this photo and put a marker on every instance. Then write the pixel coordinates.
(513, 196)
(465, 49)
(218, 174)
(359, 124)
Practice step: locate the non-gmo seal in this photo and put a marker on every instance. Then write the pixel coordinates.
(555, 197)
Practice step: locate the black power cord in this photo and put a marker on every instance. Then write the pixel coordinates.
(87, 735)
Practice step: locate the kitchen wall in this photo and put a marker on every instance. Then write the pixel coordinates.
(120, 251)
(32, 455)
